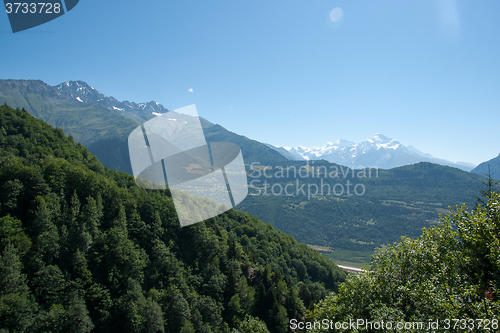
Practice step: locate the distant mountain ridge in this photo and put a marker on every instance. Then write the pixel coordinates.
(103, 123)
(36, 96)
(494, 168)
(86, 122)
(84, 93)
(99, 122)
(378, 151)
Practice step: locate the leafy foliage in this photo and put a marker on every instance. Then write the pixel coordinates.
(84, 249)
(450, 271)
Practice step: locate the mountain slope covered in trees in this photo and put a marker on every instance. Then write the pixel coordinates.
(83, 249)
(325, 204)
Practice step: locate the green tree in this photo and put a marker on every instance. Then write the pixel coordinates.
(251, 325)
(11, 232)
(46, 245)
(17, 307)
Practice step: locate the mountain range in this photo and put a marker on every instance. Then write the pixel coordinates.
(399, 201)
(84, 93)
(378, 151)
(103, 123)
(87, 122)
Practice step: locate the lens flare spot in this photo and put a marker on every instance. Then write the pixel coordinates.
(336, 14)
(335, 18)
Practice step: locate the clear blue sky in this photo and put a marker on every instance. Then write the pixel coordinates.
(423, 72)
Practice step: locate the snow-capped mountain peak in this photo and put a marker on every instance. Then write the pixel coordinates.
(80, 91)
(380, 141)
(378, 151)
(379, 137)
(83, 93)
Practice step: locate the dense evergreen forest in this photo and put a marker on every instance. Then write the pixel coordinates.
(83, 249)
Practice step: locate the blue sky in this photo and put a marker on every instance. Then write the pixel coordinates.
(426, 72)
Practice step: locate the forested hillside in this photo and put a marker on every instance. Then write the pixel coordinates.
(325, 204)
(83, 249)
